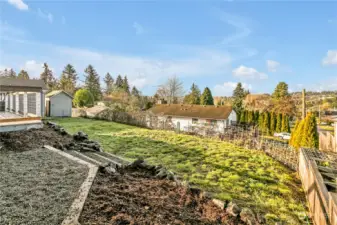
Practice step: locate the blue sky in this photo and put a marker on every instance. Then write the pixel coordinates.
(211, 43)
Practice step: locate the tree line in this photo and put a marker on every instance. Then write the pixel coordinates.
(69, 81)
(268, 122)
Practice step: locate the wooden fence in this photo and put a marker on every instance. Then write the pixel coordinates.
(327, 141)
(319, 184)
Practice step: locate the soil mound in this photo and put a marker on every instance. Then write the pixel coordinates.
(136, 196)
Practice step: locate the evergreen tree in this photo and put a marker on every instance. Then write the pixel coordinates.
(278, 128)
(243, 118)
(92, 83)
(298, 135)
(68, 79)
(48, 77)
(206, 97)
(261, 121)
(250, 117)
(109, 81)
(125, 85)
(273, 121)
(23, 75)
(310, 136)
(119, 82)
(293, 134)
(193, 97)
(285, 123)
(256, 117)
(238, 96)
(11, 73)
(135, 92)
(280, 91)
(266, 123)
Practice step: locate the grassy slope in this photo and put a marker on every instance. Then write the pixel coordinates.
(231, 172)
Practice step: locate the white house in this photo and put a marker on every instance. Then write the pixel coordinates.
(185, 117)
(58, 104)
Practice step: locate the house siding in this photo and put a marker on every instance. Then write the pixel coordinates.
(184, 123)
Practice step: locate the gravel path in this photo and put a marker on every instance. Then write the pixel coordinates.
(37, 187)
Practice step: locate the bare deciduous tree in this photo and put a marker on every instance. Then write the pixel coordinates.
(171, 90)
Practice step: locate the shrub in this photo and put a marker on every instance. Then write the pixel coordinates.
(310, 136)
(83, 98)
(293, 134)
(279, 123)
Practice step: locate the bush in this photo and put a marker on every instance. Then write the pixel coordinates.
(83, 98)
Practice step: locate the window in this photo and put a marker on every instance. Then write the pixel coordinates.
(194, 121)
(211, 122)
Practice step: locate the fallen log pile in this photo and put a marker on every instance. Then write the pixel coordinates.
(79, 143)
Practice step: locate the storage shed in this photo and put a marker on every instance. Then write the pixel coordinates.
(58, 104)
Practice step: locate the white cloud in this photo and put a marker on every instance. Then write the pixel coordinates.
(33, 68)
(138, 27)
(244, 72)
(273, 66)
(227, 88)
(330, 58)
(141, 71)
(45, 15)
(240, 24)
(19, 4)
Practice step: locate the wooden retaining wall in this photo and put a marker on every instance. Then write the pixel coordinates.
(322, 203)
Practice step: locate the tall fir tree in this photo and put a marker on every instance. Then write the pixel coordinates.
(293, 134)
(135, 92)
(256, 117)
(238, 96)
(250, 117)
(92, 82)
(273, 121)
(12, 74)
(23, 75)
(298, 136)
(126, 86)
(266, 123)
(193, 97)
(206, 97)
(278, 128)
(285, 123)
(109, 81)
(261, 121)
(48, 77)
(310, 136)
(119, 82)
(68, 79)
(280, 91)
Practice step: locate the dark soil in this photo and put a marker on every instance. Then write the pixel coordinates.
(32, 139)
(134, 196)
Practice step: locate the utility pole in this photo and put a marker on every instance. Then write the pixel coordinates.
(304, 108)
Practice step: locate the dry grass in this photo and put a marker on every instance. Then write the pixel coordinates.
(37, 187)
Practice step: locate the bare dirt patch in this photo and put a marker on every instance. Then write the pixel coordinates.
(135, 196)
(32, 139)
(37, 187)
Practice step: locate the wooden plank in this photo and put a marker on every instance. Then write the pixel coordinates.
(19, 119)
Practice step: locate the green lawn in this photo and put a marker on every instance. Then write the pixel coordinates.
(251, 178)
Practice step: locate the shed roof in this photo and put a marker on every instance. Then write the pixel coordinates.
(56, 92)
(15, 84)
(193, 111)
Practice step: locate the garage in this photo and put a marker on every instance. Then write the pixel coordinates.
(58, 104)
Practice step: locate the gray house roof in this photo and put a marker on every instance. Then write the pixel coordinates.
(56, 92)
(15, 84)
